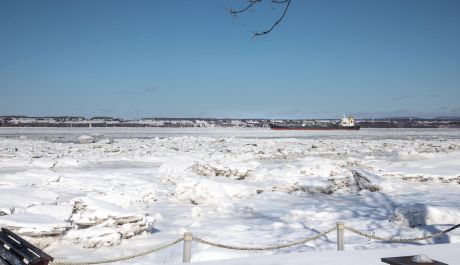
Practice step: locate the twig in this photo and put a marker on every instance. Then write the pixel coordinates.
(276, 22)
(251, 3)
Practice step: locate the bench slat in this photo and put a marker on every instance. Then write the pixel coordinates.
(10, 259)
(28, 245)
(19, 249)
(3, 262)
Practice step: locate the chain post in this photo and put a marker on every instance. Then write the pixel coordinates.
(340, 236)
(187, 254)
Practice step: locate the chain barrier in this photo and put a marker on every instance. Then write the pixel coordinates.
(143, 253)
(264, 248)
(400, 240)
(261, 248)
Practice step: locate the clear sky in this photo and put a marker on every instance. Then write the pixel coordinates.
(136, 58)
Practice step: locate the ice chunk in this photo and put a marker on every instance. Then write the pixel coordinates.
(420, 214)
(19, 198)
(105, 141)
(68, 162)
(34, 225)
(205, 190)
(206, 169)
(410, 215)
(365, 180)
(45, 162)
(95, 237)
(89, 213)
(86, 139)
(176, 166)
(41, 224)
(440, 215)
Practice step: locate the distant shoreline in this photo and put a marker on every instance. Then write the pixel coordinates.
(81, 122)
(366, 126)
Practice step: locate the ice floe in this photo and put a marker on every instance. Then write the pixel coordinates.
(134, 187)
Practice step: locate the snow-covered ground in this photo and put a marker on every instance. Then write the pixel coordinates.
(122, 190)
(446, 253)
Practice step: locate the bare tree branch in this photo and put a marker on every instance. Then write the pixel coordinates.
(276, 22)
(252, 3)
(280, 2)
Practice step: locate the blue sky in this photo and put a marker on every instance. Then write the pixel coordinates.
(136, 58)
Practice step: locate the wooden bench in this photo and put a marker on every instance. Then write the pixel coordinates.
(14, 250)
(407, 260)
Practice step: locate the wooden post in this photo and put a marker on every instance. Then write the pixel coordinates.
(187, 254)
(340, 236)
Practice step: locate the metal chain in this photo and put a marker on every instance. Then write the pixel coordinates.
(143, 253)
(400, 240)
(265, 248)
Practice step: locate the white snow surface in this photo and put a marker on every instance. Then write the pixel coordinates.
(445, 253)
(130, 189)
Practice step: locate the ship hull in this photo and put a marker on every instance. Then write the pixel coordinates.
(312, 128)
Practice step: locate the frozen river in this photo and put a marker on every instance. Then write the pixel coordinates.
(71, 134)
(137, 187)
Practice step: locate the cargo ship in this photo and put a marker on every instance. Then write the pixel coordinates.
(346, 123)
